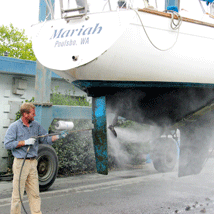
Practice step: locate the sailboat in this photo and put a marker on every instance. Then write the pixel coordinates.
(147, 61)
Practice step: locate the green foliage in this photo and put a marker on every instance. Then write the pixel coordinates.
(59, 99)
(132, 125)
(126, 124)
(75, 152)
(15, 43)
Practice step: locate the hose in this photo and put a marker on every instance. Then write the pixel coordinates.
(20, 179)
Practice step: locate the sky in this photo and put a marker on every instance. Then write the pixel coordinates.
(23, 13)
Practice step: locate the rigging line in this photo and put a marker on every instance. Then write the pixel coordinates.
(105, 5)
(177, 26)
(156, 4)
(43, 23)
(49, 8)
(202, 8)
(109, 3)
(52, 9)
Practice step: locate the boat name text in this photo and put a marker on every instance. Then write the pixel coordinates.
(62, 33)
(83, 41)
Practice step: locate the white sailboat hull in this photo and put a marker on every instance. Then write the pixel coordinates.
(125, 53)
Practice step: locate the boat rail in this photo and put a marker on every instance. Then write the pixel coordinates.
(159, 13)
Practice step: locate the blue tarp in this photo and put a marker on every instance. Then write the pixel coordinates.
(208, 1)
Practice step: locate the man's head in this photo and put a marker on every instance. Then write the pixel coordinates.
(28, 111)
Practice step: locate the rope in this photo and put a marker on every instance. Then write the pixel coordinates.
(175, 27)
(178, 24)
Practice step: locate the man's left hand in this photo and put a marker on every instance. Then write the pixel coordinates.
(62, 134)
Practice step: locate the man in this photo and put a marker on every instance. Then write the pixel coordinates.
(18, 138)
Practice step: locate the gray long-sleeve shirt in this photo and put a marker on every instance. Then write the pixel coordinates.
(17, 131)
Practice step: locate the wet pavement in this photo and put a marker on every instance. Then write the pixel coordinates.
(140, 191)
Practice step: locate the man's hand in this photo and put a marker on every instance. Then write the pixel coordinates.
(30, 141)
(62, 134)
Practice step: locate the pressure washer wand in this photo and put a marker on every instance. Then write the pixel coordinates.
(64, 126)
(69, 132)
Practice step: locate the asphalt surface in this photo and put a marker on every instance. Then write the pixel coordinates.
(128, 191)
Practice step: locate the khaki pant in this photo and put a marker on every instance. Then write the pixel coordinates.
(29, 180)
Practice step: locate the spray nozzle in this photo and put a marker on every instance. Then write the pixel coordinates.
(111, 127)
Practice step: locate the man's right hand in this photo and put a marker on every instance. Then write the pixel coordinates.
(30, 141)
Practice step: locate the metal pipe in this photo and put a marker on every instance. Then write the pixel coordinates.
(86, 6)
(72, 10)
(57, 133)
(61, 7)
